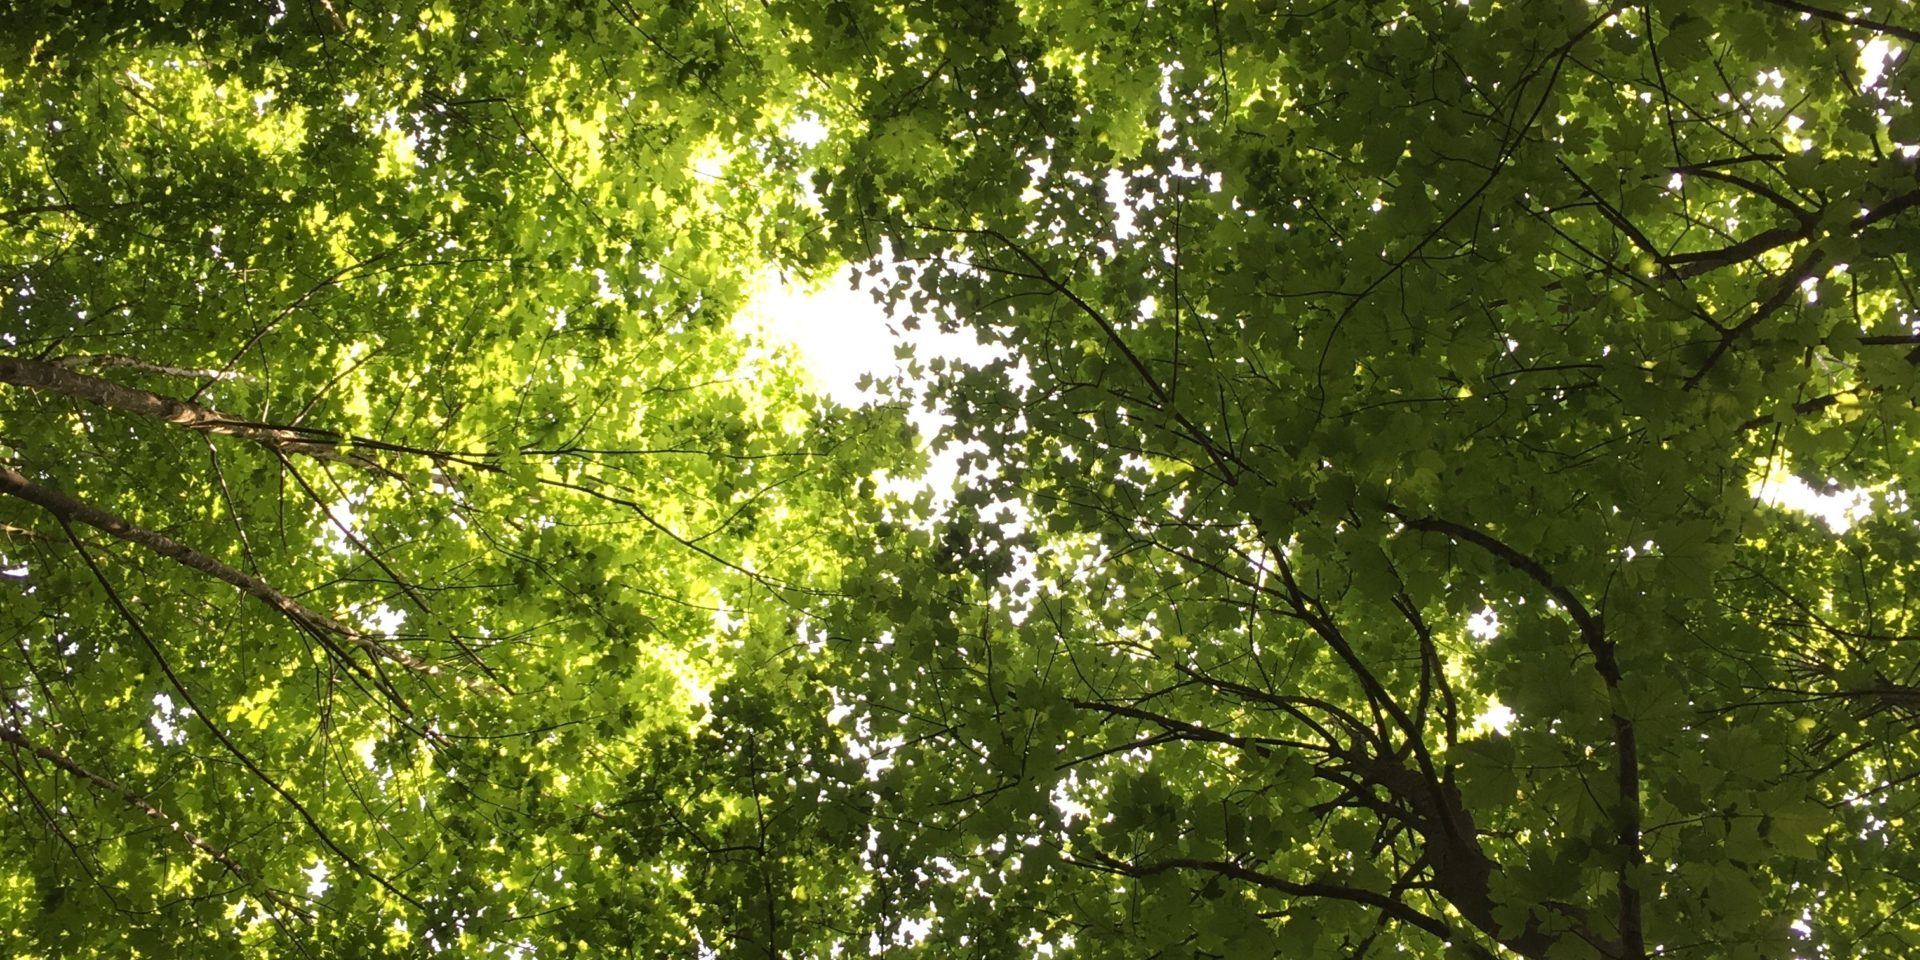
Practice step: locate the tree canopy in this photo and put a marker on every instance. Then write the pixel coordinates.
(1367, 536)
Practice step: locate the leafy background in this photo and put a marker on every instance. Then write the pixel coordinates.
(1357, 541)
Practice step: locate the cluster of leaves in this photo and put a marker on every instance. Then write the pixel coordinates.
(387, 496)
(1325, 328)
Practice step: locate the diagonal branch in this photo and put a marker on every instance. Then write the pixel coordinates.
(1807, 268)
(1223, 460)
(226, 742)
(327, 445)
(1748, 184)
(69, 509)
(1613, 216)
(13, 735)
(1178, 729)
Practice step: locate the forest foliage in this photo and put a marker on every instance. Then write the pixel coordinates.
(1364, 539)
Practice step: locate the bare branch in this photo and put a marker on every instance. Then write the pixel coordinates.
(83, 361)
(57, 379)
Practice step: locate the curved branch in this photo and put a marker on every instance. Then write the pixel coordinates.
(1388, 906)
(1591, 628)
(1627, 814)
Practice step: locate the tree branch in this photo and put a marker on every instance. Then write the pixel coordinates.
(1627, 813)
(246, 760)
(69, 509)
(1235, 871)
(1852, 20)
(57, 379)
(14, 736)
(77, 361)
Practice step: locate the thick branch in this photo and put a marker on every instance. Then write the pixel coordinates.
(58, 379)
(1591, 629)
(1682, 265)
(81, 361)
(1806, 269)
(1704, 261)
(1461, 870)
(1627, 813)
